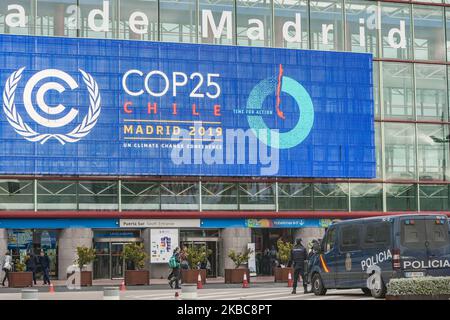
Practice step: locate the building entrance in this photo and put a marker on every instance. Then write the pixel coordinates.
(211, 244)
(109, 245)
(109, 263)
(266, 250)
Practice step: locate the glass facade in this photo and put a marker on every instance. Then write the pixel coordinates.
(410, 42)
(232, 196)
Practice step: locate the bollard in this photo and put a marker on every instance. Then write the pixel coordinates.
(111, 293)
(30, 294)
(189, 291)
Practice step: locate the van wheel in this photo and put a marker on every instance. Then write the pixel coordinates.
(317, 285)
(379, 293)
(366, 291)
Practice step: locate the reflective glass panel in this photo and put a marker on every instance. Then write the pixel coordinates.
(398, 90)
(429, 33)
(326, 25)
(400, 153)
(291, 24)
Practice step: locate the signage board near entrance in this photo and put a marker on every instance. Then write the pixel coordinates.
(163, 242)
(160, 223)
(287, 223)
(265, 223)
(252, 259)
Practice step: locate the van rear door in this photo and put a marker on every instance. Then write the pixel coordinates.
(425, 246)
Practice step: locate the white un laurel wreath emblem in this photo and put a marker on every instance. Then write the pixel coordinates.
(23, 129)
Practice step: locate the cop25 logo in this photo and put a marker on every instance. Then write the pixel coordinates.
(25, 130)
(304, 104)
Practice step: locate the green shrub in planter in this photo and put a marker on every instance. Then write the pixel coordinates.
(426, 286)
(239, 258)
(85, 256)
(19, 266)
(135, 253)
(284, 251)
(196, 255)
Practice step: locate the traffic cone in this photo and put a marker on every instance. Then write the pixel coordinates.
(199, 281)
(290, 281)
(122, 286)
(51, 288)
(245, 282)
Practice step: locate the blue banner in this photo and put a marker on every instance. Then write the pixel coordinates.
(265, 223)
(58, 223)
(114, 107)
(287, 223)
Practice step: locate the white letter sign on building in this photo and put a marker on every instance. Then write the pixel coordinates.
(99, 20)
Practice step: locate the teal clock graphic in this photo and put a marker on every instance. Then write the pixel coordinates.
(271, 136)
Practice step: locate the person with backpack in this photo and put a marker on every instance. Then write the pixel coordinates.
(174, 264)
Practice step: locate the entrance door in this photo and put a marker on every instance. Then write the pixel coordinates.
(212, 258)
(117, 261)
(108, 263)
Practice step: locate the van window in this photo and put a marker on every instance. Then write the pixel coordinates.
(377, 235)
(437, 234)
(330, 240)
(350, 238)
(417, 233)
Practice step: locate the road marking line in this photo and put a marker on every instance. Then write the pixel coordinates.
(329, 297)
(160, 296)
(152, 295)
(293, 296)
(267, 294)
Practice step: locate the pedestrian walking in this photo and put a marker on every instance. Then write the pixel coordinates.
(266, 262)
(31, 264)
(174, 263)
(299, 255)
(44, 261)
(6, 267)
(273, 257)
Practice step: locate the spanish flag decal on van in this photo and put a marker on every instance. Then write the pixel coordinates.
(324, 265)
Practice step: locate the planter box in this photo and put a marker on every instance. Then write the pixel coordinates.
(419, 297)
(137, 277)
(86, 278)
(20, 279)
(236, 275)
(191, 276)
(281, 274)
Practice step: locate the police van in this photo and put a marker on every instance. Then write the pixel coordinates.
(366, 253)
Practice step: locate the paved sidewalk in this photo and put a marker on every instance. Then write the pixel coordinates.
(107, 282)
(219, 282)
(254, 293)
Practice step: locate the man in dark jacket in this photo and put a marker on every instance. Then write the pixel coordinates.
(31, 265)
(45, 264)
(298, 257)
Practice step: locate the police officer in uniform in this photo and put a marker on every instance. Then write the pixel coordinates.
(299, 255)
